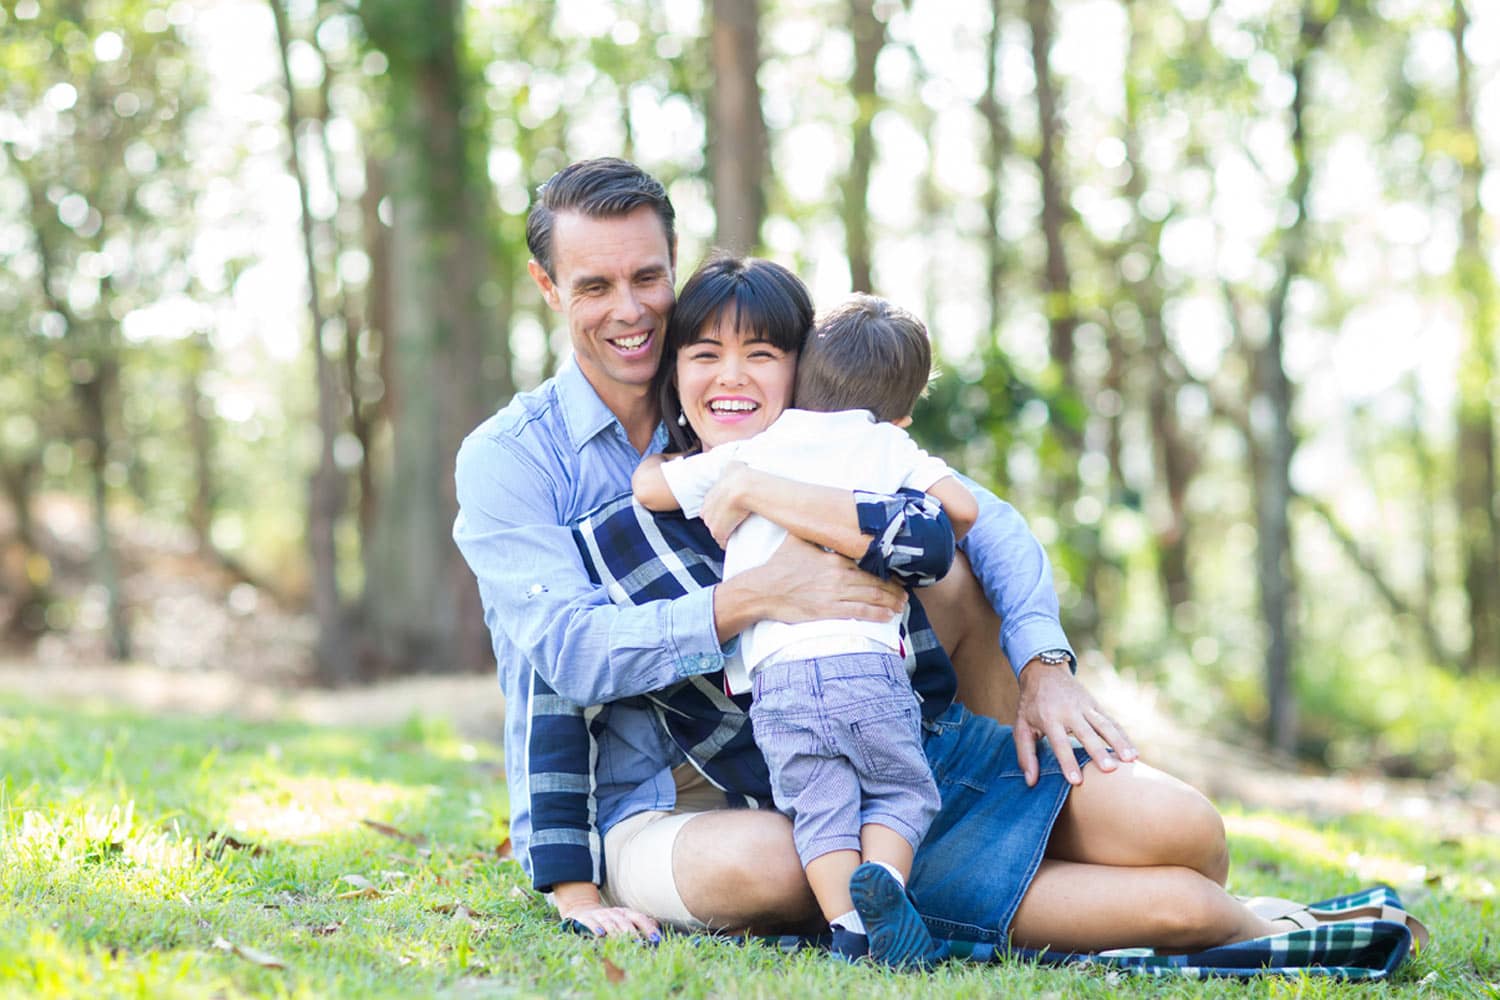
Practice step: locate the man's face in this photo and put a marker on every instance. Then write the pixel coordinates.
(613, 281)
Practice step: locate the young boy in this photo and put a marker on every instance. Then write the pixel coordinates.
(833, 709)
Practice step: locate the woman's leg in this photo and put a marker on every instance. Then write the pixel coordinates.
(1137, 816)
(1084, 907)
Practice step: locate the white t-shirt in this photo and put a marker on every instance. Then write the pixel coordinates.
(848, 450)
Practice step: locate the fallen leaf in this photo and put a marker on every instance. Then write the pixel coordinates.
(370, 893)
(217, 841)
(613, 972)
(324, 930)
(254, 955)
(502, 849)
(454, 908)
(363, 888)
(391, 831)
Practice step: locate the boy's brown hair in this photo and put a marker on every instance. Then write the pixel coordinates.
(867, 354)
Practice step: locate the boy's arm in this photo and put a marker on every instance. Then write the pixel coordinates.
(649, 484)
(958, 503)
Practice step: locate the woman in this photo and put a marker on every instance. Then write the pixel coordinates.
(1129, 857)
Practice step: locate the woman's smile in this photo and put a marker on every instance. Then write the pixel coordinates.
(732, 383)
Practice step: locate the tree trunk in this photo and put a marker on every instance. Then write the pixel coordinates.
(1173, 458)
(738, 150)
(200, 443)
(1475, 492)
(868, 32)
(91, 395)
(28, 618)
(1274, 442)
(423, 606)
(997, 144)
(1062, 321)
(327, 491)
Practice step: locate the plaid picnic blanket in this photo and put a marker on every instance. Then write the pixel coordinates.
(1358, 950)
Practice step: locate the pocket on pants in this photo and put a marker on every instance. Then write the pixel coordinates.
(885, 742)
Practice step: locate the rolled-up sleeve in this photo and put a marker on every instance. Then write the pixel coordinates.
(1016, 576)
(911, 538)
(537, 592)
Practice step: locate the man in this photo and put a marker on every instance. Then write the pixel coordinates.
(602, 236)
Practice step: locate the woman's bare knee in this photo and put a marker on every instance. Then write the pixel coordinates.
(1139, 816)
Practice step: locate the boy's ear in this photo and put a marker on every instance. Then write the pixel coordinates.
(545, 283)
(904, 422)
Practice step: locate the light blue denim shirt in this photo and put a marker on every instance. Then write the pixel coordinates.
(547, 458)
(554, 454)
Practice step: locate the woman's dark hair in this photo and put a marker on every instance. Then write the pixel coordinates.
(760, 297)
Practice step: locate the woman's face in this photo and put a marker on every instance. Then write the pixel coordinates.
(732, 386)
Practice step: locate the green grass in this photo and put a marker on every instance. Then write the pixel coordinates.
(158, 856)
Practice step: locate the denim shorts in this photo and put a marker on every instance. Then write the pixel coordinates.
(982, 851)
(842, 738)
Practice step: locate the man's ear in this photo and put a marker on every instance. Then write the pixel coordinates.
(904, 422)
(545, 283)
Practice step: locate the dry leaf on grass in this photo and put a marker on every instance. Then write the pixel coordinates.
(613, 972)
(216, 841)
(363, 888)
(324, 930)
(391, 831)
(502, 849)
(263, 959)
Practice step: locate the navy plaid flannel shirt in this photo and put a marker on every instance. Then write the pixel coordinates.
(640, 557)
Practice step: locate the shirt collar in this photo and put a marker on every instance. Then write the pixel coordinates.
(584, 412)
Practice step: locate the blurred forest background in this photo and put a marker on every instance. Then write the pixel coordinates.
(1212, 283)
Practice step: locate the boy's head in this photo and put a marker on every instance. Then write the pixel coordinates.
(867, 354)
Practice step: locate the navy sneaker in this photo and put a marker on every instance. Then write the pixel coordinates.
(897, 935)
(848, 945)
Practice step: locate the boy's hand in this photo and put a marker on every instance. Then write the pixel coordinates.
(1053, 704)
(728, 502)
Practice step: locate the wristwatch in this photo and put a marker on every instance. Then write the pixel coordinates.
(1053, 657)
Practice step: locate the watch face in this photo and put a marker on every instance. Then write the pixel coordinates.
(1054, 656)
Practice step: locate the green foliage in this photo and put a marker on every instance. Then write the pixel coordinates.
(168, 856)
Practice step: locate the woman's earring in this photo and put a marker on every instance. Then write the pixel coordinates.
(681, 419)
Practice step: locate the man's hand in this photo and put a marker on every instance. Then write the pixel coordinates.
(1054, 704)
(801, 583)
(580, 902)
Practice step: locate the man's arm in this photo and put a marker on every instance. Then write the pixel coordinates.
(1013, 569)
(565, 849)
(537, 592)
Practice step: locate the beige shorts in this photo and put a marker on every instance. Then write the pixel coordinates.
(638, 853)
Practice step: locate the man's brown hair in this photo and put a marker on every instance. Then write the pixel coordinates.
(867, 354)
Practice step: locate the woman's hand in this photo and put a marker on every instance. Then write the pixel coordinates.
(728, 503)
(580, 902)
